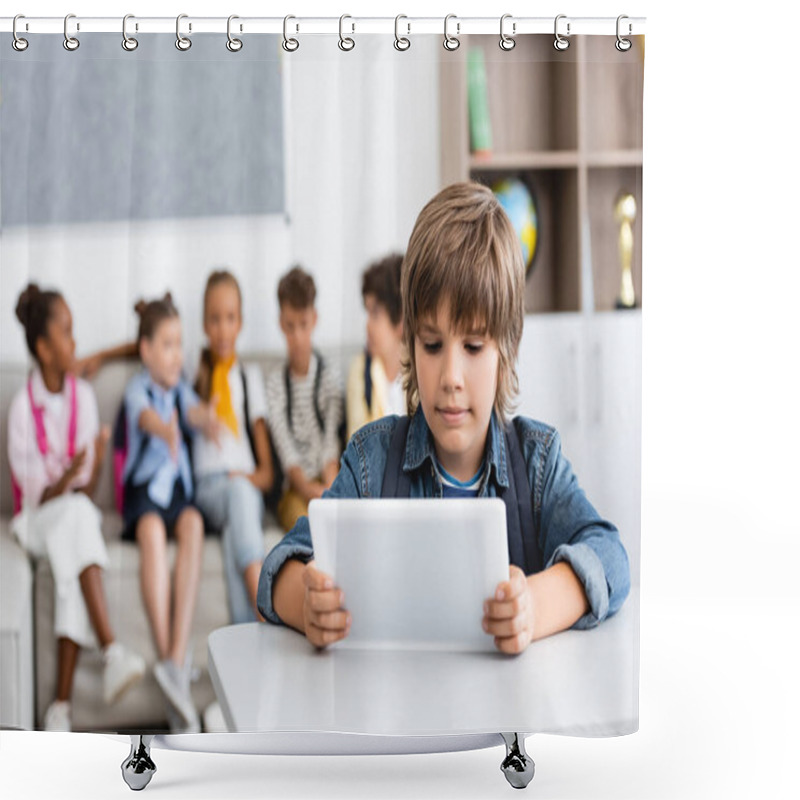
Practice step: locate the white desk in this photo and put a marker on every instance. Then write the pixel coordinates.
(269, 678)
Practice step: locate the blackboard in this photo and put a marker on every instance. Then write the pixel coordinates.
(102, 134)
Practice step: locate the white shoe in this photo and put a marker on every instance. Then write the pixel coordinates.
(123, 669)
(214, 720)
(58, 716)
(174, 682)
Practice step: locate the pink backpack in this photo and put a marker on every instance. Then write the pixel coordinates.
(41, 434)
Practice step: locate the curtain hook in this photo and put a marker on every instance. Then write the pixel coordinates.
(560, 42)
(181, 42)
(18, 43)
(70, 42)
(288, 44)
(623, 45)
(401, 42)
(346, 43)
(233, 44)
(451, 43)
(128, 42)
(507, 42)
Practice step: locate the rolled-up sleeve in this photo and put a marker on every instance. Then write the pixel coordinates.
(297, 542)
(573, 532)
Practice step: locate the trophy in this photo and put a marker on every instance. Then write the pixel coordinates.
(625, 214)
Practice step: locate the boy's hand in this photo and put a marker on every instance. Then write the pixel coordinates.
(325, 620)
(509, 615)
(76, 465)
(100, 444)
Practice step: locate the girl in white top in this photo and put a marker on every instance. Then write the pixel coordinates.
(234, 473)
(55, 450)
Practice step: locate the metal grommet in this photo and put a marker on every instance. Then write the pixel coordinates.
(451, 43)
(183, 43)
(560, 42)
(70, 42)
(233, 44)
(288, 44)
(507, 42)
(18, 43)
(401, 43)
(128, 42)
(345, 42)
(623, 45)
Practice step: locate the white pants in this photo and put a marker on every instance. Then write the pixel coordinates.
(65, 530)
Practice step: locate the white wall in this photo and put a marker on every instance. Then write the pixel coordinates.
(362, 159)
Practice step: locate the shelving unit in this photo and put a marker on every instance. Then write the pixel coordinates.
(568, 124)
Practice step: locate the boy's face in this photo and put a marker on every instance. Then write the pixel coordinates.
(222, 320)
(298, 325)
(383, 338)
(163, 354)
(457, 382)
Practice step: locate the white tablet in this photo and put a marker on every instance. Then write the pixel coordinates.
(415, 573)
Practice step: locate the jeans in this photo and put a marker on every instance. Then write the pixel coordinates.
(235, 507)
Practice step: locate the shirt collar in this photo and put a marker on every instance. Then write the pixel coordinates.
(420, 448)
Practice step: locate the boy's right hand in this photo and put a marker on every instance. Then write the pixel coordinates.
(325, 619)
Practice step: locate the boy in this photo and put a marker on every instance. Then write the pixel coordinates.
(462, 287)
(375, 384)
(304, 401)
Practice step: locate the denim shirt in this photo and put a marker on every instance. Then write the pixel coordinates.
(565, 523)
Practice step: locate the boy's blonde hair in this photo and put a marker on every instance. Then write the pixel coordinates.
(464, 249)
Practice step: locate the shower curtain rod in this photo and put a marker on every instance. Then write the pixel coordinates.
(349, 25)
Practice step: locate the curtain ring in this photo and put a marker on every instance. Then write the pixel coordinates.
(288, 44)
(233, 44)
(451, 43)
(181, 42)
(70, 42)
(623, 45)
(128, 42)
(560, 43)
(507, 42)
(18, 43)
(346, 43)
(401, 43)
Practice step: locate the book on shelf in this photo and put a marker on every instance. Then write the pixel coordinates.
(480, 125)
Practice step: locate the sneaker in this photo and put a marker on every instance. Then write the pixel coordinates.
(174, 683)
(58, 716)
(214, 720)
(123, 668)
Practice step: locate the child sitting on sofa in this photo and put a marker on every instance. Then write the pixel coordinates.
(305, 403)
(161, 410)
(375, 383)
(463, 292)
(55, 450)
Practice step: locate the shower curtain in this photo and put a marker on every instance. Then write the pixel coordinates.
(126, 174)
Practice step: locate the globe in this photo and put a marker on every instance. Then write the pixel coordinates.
(519, 205)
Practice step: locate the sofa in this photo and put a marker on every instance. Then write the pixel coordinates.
(28, 661)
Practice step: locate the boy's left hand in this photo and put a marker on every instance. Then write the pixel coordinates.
(509, 615)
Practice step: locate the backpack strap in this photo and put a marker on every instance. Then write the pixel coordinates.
(317, 384)
(395, 481)
(523, 545)
(248, 428)
(368, 380)
(38, 421)
(73, 416)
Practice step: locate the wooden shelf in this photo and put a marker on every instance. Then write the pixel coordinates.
(569, 125)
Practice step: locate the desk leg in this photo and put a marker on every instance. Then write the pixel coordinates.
(517, 766)
(138, 768)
